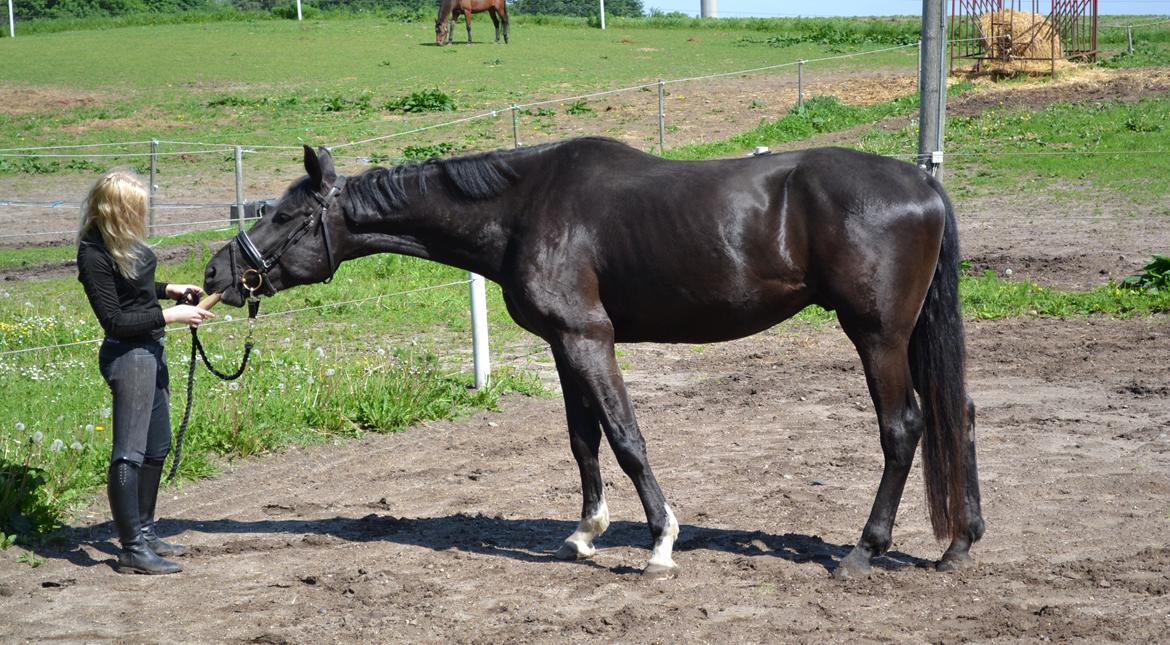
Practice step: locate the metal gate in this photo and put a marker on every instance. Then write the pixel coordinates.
(1001, 31)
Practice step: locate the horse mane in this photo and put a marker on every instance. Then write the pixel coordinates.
(381, 190)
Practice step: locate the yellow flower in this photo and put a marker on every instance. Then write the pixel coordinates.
(99, 428)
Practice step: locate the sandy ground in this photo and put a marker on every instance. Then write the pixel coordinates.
(767, 449)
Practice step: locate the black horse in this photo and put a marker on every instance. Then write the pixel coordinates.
(595, 243)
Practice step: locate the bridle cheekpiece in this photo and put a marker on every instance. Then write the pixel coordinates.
(255, 278)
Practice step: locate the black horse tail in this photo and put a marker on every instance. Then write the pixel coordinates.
(938, 367)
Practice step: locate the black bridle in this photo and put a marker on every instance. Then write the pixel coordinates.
(255, 279)
(261, 265)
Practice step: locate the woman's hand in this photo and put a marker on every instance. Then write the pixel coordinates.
(186, 314)
(176, 291)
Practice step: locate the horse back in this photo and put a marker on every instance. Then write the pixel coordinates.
(700, 251)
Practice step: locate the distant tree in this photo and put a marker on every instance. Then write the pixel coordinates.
(577, 7)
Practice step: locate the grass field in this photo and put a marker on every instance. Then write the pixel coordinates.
(332, 372)
(279, 82)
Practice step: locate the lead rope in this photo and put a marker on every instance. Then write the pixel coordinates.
(197, 347)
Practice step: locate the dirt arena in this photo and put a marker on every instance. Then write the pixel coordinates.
(767, 450)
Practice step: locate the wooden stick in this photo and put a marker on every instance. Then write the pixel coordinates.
(210, 301)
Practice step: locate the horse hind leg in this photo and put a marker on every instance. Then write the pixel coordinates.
(496, 22)
(887, 373)
(585, 439)
(467, 18)
(957, 555)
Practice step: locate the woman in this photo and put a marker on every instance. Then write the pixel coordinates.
(117, 269)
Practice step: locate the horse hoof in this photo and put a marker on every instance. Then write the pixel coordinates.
(570, 551)
(659, 572)
(955, 562)
(852, 570)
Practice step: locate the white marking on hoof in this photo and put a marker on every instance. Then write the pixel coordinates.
(579, 545)
(660, 558)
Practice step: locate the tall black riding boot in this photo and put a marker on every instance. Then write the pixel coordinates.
(136, 556)
(149, 477)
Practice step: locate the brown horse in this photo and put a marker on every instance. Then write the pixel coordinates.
(449, 10)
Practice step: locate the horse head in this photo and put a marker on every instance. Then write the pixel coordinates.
(442, 29)
(289, 247)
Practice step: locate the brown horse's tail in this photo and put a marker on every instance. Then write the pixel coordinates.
(937, 364)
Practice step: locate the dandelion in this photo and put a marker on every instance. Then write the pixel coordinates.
(60, 418)
(233, 385)
(106, 412)
(19, 427)
(280, 386)
(311, 380)
(381, 352)
(57, 445)
(38, 436)
(76, 446)
(319, 352)
(330, 372)
(227, 318)
(89, 428)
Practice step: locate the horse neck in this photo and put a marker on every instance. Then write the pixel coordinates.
(444, 226)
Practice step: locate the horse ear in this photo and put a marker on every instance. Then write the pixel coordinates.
(313, 166)
(328, 172)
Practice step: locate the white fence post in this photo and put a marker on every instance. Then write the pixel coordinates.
(153, 182)
(12, 22)
(240, 186)
(479, 330)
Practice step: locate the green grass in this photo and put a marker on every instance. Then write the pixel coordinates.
(317, 375)
(265, 82)
(1063, 149)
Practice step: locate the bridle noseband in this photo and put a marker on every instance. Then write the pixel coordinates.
(255, 278)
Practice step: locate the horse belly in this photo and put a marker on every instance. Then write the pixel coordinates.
(709, 318)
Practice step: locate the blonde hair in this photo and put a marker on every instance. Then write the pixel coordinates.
(117, 207)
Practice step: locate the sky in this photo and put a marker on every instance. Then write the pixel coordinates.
(767, 8)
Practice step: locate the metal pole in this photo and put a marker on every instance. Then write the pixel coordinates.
(707, 9)
(299, 15)
(240, 186)
(479, 330)
(11, 21)
(661, 116)
(800, 86)
(932, 87)
(515, 126)
(153, 184)
(603, 15)
(1128, 32)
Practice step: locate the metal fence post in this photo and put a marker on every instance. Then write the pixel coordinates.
(800, 86)
(515, 126)
(479, 330)
(1129, 38)
(153, 185)
(239, 214)
(661, 116)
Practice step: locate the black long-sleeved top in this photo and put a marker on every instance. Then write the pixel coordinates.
(126, 309)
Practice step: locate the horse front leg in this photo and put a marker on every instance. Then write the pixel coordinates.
(467, 17)
(588, 357)
(585, 439)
